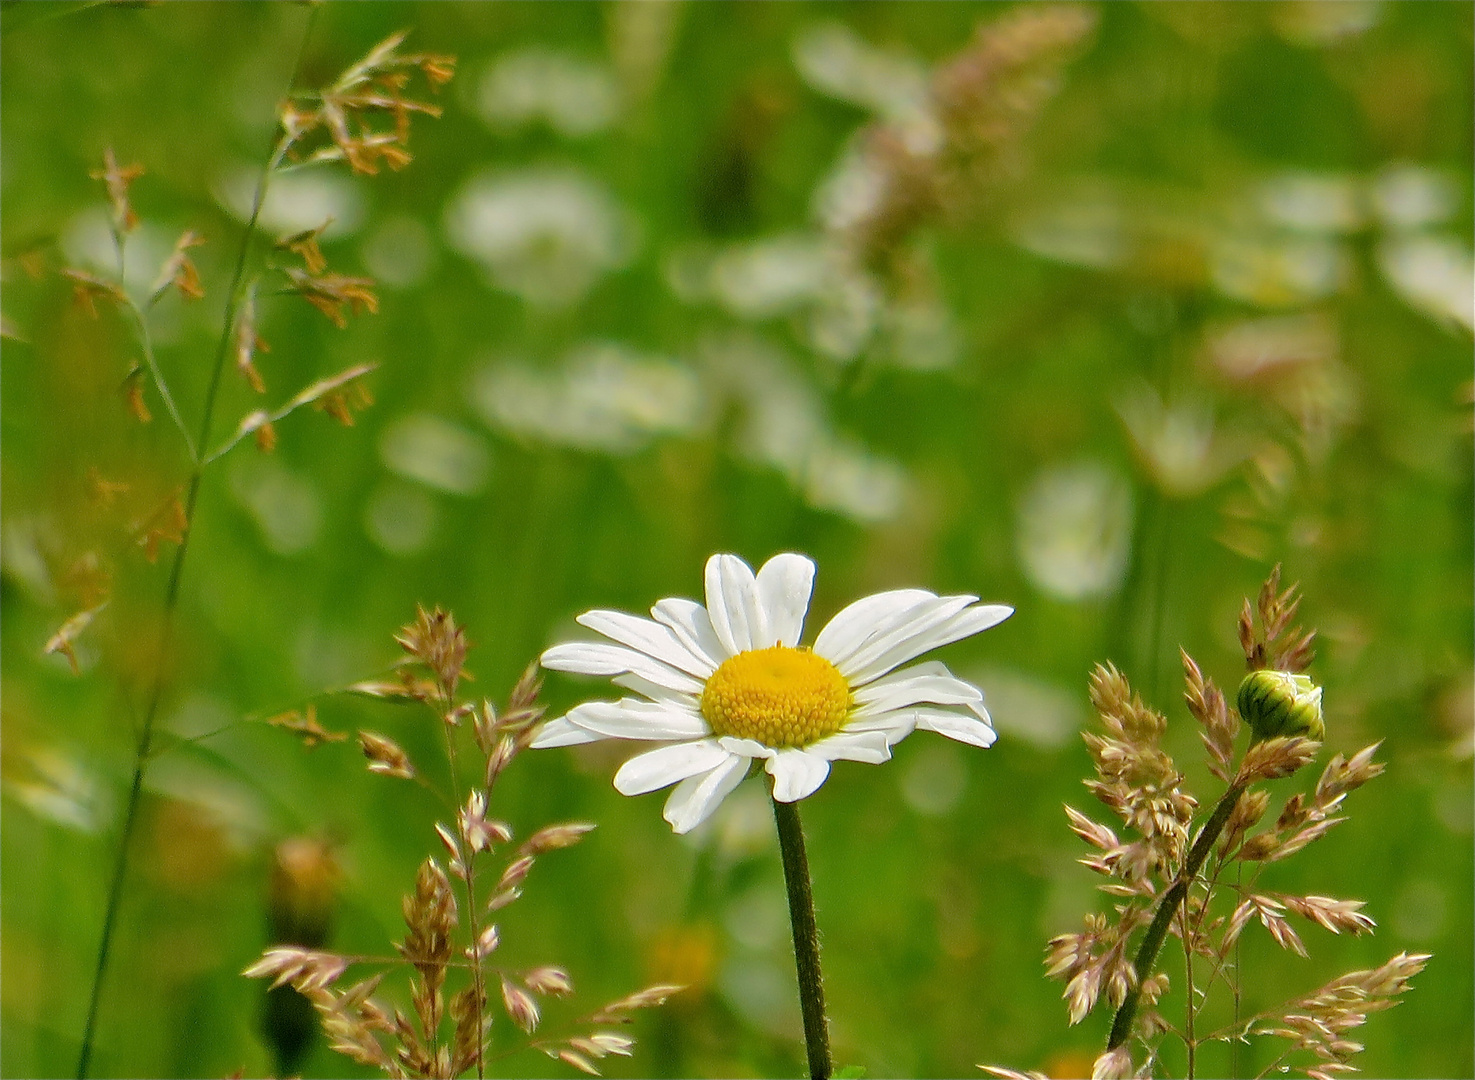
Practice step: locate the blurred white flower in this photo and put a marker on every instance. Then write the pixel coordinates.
(771, 276)
(852, 191)
(1179, 443)
(400, 518)
(1083, 222)
(781, 425)
(744, 825)
(756, 279)
(922, 333)
(758, 918)
(933, 781)
(1044, 714)
(573, 96)
(1324, 22)
(1435, 274)
(1294, 360)
(603, 396)
(760, 990)
(1311, 202)
(399, 252)
(836, 61)
(284, 505)
(641, 38)
(841, 475)
(547, 235)
(800, 273)
(295, 201)
(436, 452)
(1269, 347)
(1412, 196)
(1278, 271)
(845, 315)
(22, 541)
(1075, 531)
(727, 684)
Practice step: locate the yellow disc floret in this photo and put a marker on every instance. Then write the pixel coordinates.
(778, 696)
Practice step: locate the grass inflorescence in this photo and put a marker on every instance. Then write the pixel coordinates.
(450, 945)
(1177, 874)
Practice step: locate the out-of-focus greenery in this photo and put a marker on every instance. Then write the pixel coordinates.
(1212, 312)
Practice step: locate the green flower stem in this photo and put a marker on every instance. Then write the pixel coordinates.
(1121, 1027)
(806, 939)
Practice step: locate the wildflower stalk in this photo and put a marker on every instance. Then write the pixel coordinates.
(1121, 1027)
(806, 938)
(144, 746)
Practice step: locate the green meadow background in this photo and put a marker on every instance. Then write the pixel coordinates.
(1212, 313)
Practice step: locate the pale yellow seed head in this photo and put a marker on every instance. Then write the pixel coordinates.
(777, 696)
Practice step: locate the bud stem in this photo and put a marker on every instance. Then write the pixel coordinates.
(806, 938)
(1121, 1027)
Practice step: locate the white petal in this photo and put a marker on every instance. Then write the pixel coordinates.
(871, 747)
(918, 685)
(665, 766)
(561, 732)
(965, 729)
(648, 637)
(660, 693)
(732, 603)
(797, 774)
(593, 658)
(631, 718)
(926, 635)
(850, 628)
(784, 585)
(895, 725)
(748, 748)
(697, 796)
(690, 622)
(902, 629)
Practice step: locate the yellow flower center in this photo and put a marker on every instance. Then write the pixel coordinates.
(778, 696)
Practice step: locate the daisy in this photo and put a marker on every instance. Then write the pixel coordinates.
(729, 684)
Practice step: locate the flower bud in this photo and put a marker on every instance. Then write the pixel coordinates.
(1279, 703)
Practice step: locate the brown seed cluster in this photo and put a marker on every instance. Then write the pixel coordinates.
(449, 937)
(984, 100)
(436, 641)
(347, 115)
(1275, 643)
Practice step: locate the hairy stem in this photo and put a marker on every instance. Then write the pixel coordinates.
(1121, 1027)
(171, 602)
(1239, 872)
(806, 939)
(1188, 1039)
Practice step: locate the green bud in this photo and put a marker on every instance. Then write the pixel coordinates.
(1279, 703)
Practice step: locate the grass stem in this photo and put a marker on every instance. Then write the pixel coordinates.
(468, 862)
(171, 604)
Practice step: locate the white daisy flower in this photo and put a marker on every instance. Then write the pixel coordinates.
(729, 683)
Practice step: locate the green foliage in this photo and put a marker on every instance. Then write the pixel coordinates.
(1198, 305)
